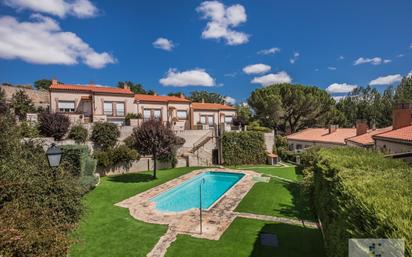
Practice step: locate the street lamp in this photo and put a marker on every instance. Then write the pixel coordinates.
(54, 155)
(200, 202)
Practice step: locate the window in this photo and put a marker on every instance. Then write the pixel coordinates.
(211, 120)
(152, 114)
(228, 119)
(146, 114)
(156, 114)
(181, 115)
(66, 106)
(119, 109)
(207, 119)
(108, 108)
(203, 119)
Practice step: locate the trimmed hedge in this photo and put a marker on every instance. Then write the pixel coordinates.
(360, 194)
(247, 147)
(76, 159)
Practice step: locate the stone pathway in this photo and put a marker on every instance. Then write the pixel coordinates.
(305, 223)
(159, 250)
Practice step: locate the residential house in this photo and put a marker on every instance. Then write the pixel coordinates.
(207, 115)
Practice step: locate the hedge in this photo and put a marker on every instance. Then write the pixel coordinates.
(246, 147)
(76, 159)
(360, 194)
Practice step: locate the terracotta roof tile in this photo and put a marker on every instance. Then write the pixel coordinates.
(366, 139)
(91, 88)
(403, 134)
(160, 98)
(322, 135)
(212, 106)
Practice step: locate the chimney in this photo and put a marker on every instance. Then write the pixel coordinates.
(181, 95)
(401, 116)
(361, 127)
(54, 81)
(333, 128)
(203, 101)
(154, 93)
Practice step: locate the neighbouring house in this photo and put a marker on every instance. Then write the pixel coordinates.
(325, 137)
(91, 103)
(207, 115)
(399, 138)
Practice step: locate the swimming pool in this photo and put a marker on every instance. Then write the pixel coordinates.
(185, 196)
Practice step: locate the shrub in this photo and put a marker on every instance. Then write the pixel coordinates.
(246, 147)
(360, 194)
(22, 104)
(132, 116)
(53, 125)
(105, 134)
(79, 134)
(28, 130)
(255, 126)
(121, 154)
(39, 206)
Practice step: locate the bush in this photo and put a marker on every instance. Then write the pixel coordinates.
(360, 194)
(40, 206)
(76, 160)
(132, 116)
(79, 134)
(105, 134)
(121, 154)
(22, 104)
(53, 125)
(243, 148)
(28, 130)
(255, 126)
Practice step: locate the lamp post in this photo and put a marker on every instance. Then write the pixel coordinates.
(54, 155)
(200, 203)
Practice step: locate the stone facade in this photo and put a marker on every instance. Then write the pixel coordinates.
(40, 98)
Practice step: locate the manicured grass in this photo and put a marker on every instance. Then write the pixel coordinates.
(276, 198)
(290, 172)
(108, 230)
(241, 239)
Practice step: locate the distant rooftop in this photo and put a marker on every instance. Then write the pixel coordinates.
(211, 106)
(366, 139)
(159, 98)
(322, 135)
(402, 134)
(91, 88)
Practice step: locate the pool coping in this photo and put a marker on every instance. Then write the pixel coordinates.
(216, 219)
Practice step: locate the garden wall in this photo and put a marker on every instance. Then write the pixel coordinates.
(360, 194)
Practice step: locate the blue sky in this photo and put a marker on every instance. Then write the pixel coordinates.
(210, 43)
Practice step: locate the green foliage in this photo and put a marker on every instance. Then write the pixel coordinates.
(105, 134)
(207, 97)
(3, 106)
(404, 91)
(154, 138)
(43, 84)
(290, 108)
(119, 155)
(360, 194)
(53, 125)
(21, 104)
(78, 133)
(367, 104)
(39, 205)
(243, 115)
(134, 87)
(76, 160)
(246, 147)
(28, 130)
(255, 126)
(132, 116)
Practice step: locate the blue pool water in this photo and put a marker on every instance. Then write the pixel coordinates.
(186, 195)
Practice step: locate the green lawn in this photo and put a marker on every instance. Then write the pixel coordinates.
(108, 230)
(241, 240)
(276, 198)
(290, 172)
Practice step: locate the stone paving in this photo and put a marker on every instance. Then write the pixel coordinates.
(215, 220)
(305, 223)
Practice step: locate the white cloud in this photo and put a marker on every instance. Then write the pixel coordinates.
(341, 58)
(400, 55)
(373, 61)
(164, 43)
(230, 100)
(387, 61)
(340, 88)
(222, 20)
(409, 74)
(256, 68)
(386, 80)
(270, 79)
(294, 58)
(42, 41)
(232, 75)
(269, 51)
(61, 8)
(331, 68)
(195, 77)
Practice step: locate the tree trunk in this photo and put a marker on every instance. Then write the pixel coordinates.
(154, 165)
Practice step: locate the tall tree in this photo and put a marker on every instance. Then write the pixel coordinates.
(207, 97)
(42, 84)
(404, 91)
(21, 104)
(154, 138)
(243, 115)
(289, 108)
